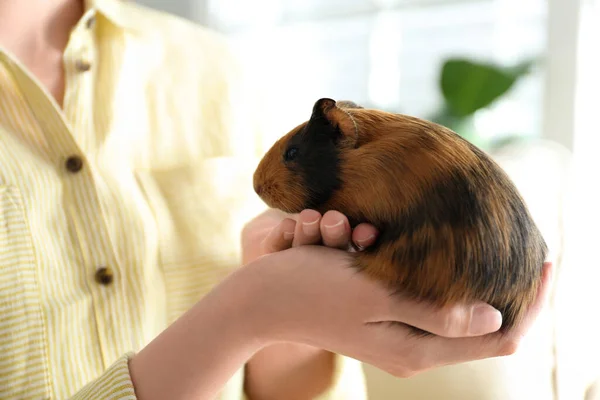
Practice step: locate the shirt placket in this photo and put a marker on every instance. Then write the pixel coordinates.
(71, 132)
(81, 65)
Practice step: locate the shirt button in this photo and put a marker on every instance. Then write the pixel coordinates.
(104, 276)
(82, 65)
(90, 22)
(74, 164)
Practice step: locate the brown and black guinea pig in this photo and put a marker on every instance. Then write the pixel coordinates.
(452, 225)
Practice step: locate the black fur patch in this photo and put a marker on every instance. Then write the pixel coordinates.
(450, 202)
(317, 160)
(458, 202)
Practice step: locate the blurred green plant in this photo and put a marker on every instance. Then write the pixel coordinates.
(468, 86)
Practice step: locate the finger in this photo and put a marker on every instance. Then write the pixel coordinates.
(478, 319)
(444, 351)
(335, 230)
(280, 238)
(255, 231)
(307, 228)
(452, 321)
(364, 235)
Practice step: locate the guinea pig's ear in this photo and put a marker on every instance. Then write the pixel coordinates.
(348, 104)
(328, 110)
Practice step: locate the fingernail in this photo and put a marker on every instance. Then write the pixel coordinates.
(288, 235)
(311, 228)
(485, 319)
(361, 243)
(335, 230)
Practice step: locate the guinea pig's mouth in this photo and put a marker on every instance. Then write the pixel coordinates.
(265, 191)
(266, 194)
(273, 197)
(259, 190)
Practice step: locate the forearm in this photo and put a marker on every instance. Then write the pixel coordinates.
(196, 356)
(289, 371)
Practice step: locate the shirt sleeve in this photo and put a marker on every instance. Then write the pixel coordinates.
(114, 384)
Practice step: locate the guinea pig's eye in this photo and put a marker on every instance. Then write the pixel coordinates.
(291, 153)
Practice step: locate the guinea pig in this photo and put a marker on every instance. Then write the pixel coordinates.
(452, 225)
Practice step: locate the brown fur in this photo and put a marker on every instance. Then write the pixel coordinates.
(389, 165)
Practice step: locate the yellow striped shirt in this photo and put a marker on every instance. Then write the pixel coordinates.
(121, 209)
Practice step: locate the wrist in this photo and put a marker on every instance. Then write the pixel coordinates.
(286, 289)
(200, 351)
(267, 316)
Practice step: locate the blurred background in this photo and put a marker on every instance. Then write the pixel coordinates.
(519, 78)
(391, 54)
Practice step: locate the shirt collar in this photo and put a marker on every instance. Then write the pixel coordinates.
(122, 13)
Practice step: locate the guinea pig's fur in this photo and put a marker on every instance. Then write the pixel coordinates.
(452, 225)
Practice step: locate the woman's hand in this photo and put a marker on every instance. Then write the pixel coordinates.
(306, 370)
(311, 295)
(281, 369)
(275, 231)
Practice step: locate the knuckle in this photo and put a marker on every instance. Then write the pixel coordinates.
(410, 373)
(414, 360)
(400, 372)
(510, 347)
(417, 363)
(453, 322)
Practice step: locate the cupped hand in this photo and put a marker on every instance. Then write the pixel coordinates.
(311, 295)
(346, 313)
(274, 231)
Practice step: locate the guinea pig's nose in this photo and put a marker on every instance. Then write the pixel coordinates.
(258, 188)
